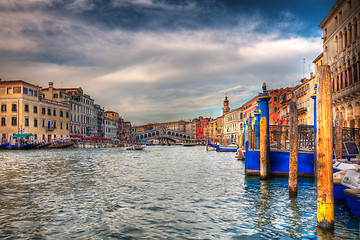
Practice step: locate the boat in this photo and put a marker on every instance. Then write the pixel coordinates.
(62, 145)
(188, 143)
(351, 184)
(18, 147)
(135, 147)
(43, 145)
(3, 145)
(227, 148)
(240, 154)
(339, 195)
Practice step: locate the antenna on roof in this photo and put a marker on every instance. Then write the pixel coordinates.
(303, 67)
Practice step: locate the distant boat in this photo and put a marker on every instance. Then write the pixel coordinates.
(188, 143)
(135, 147)
(63, 145)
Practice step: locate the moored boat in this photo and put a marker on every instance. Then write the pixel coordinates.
(62, 145)
(227, 148)
(351, 183)
(18, 147)
(3, 145)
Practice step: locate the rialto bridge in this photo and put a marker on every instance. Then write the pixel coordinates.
(163, 135)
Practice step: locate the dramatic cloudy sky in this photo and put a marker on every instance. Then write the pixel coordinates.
(160, 60)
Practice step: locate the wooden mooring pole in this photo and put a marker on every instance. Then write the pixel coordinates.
(324, 137)
(293, 162)
(263, 149)
(339, 121)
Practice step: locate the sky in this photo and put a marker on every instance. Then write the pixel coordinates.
(161, 60)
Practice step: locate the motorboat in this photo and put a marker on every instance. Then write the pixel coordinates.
(135, 147)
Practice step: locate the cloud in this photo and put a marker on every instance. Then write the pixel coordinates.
(150, 76)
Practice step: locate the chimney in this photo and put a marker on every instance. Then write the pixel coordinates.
(311, 75)
(51, 84)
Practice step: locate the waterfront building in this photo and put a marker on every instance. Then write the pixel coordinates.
(115, 117)
(285, 98)
(341, 51)
(213, 131)
(112, 115)
(82, 111)
(200, 128)
(234, 122)
(25, 109)
(305, 104)
(220, 128)
(249, 108)
(144, 128)
(111, 130)
(100, 120)
(127, 131)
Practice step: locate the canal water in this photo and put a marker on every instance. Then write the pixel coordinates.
(163, 192)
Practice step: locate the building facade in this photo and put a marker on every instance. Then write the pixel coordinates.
(82, 110)
(233, 125)
(341, 50)
(110, 129)
(24, 109)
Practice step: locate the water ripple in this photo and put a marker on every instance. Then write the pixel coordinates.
(160, 193)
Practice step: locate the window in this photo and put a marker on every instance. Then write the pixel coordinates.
(17, 90)
(26, 107)
(54, 112)
(55, 95)
(25, 90)
(26, 122)
(43, 111)
(31, 92)
(61, 125)
(13, 121)
(275, 99)
(35, 93)
(49, 111)
(61, 113)
(14, 107)
(9, 90)
(35, 109)
(43, 123)
(54, 124)
(67, 127)
(3, 121)
(35, 122)
(3, 107)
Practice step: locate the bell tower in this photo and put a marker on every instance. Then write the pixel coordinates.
(226, 106)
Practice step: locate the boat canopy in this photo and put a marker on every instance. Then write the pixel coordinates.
(19, 135)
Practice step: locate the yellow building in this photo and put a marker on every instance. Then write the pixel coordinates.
(112, 115)
(24, 109)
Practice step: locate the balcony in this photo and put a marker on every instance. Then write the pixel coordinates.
(50, 129)
(346, 93)
(302, 110)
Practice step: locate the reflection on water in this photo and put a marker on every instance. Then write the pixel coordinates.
(162, 192)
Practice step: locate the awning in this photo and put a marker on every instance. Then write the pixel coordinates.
(17, 135)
